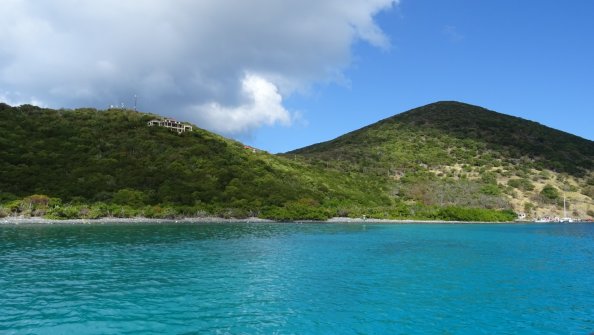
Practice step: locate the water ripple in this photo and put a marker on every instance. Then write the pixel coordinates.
(295, 279)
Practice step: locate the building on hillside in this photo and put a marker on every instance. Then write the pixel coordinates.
(252, 149)
(171, 124)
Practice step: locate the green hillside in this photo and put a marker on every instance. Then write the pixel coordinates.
(451, 153)
(115, 162)
(447, 161)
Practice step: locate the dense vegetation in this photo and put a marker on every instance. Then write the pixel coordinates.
(97, 163)
(89, 163)
(448, 133)
(450, 153)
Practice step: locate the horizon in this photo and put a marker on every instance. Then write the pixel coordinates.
(303, 73)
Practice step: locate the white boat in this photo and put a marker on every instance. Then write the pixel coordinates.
(565, 218)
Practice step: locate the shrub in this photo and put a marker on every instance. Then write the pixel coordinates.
(129, 197)
(303, 209)
(521, 184)
(4, 212)
(6, 197)
(490, 189)
(549, 192)
(64, 212)
(489, 178)
(454, 213)
(35, 201)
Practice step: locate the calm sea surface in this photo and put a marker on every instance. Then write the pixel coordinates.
(297, 279)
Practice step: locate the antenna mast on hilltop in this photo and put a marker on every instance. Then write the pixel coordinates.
(135, 101)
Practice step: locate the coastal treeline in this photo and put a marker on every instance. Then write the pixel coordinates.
(304, 209)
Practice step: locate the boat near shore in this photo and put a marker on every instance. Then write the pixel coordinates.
(565, 218)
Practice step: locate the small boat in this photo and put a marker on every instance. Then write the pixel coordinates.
(565, 218)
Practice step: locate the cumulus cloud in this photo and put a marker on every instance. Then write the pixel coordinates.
(225, 64)
(262, 106)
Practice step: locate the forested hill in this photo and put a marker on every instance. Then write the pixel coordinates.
(447, 161)
(446, 133)
(113, 158)
(445, 151)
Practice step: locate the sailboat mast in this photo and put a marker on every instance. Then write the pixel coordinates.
(565, 217)
(564, 208)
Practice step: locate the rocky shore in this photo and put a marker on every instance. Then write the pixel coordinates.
(41, 221)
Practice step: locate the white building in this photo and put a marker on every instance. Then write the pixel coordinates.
(171, 124)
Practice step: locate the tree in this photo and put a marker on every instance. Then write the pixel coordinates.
(130, 197)
(550, 192)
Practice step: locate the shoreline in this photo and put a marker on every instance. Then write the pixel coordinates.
(112, 220)
(141, 220)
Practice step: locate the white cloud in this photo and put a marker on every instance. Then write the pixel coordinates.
(262, 106)
(181, 55)
(17, 99)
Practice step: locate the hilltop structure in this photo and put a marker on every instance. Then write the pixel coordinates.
(171, 124)
(249, 148)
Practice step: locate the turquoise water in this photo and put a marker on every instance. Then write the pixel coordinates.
(297, 279)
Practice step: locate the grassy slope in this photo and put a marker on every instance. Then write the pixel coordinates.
(455, 153)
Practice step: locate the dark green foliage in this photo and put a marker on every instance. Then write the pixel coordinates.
(489, 178)
(522, 184)
(528, 207)
(447, 133)
(112, 158)
(452, 154)
(550, 192)
(474, 214)
(113, 155)
(6, 197)
(302, 209)
(491, 189)
(110, 163)
(130, 197)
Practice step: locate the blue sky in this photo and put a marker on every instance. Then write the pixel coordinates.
(532, 59)
(280, 75)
